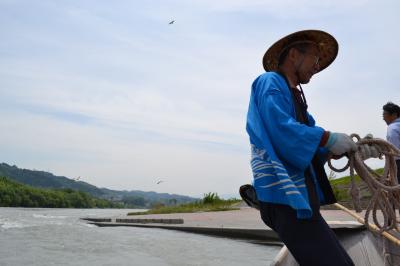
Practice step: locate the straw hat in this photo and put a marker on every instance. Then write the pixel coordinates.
(327, 44)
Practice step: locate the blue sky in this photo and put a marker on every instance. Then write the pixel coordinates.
(111, 92)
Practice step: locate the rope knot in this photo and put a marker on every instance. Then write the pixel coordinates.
(384, 189)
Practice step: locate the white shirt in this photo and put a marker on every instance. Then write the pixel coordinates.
(393, 134)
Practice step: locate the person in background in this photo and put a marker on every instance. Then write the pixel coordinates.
(289, 149)
(391, 115)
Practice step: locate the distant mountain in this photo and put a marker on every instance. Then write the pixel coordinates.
(135, 198)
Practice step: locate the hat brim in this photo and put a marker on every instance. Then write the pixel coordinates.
(326, 43)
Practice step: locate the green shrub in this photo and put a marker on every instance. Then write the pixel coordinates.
(211, 198)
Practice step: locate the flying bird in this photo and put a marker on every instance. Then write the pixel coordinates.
(172, 22)
(160, 181)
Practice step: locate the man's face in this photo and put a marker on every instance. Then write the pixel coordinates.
(389, 118)
(307, 64)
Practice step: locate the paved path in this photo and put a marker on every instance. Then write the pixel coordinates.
(244, 223)
(244, 218)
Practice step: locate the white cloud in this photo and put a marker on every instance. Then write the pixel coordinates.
(114, 93)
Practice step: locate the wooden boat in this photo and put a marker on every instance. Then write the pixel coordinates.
(365, 247)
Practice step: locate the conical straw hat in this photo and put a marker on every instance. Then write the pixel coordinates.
(327, 44)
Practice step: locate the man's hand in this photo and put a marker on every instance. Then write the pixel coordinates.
(340, 143)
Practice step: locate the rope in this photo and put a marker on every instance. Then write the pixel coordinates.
(384, 188)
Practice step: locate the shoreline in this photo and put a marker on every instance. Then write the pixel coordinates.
(244, 223)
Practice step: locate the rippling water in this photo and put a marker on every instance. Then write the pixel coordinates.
(58, 237)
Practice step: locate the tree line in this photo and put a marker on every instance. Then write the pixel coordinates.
(127, 199)
(14, 194)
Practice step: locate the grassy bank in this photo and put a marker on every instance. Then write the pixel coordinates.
(210, 202)
(341, 187)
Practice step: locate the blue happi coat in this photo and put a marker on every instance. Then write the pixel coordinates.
(282, 148)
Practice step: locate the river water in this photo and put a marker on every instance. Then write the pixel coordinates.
(40, 237)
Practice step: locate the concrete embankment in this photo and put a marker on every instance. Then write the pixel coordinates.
(134, 221)
(242, 224)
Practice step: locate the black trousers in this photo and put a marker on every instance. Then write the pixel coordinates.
(311, 241)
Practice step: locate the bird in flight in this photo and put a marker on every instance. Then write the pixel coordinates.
(159, 182)
(172, 22)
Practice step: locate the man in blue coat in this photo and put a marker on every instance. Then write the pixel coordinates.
(289, 149)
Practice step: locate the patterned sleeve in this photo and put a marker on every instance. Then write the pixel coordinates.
(294, 143)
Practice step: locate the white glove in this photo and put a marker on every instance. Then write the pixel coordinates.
(368, 151)
(340, 143)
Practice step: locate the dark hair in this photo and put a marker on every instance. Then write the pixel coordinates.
(302, 47)
(392, 108)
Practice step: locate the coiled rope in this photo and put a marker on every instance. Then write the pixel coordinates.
(385, 189)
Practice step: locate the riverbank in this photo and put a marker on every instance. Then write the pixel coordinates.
(244, 223)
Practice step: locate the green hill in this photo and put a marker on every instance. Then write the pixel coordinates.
(46, 180)
(341, 188)
(14, 194)
(133, 198)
